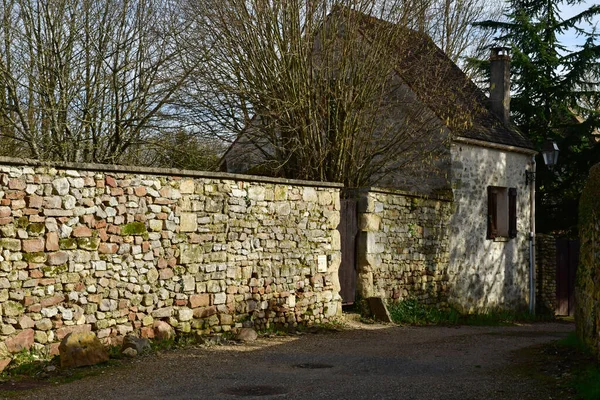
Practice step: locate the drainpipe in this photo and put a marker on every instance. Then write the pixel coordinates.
(532, 244)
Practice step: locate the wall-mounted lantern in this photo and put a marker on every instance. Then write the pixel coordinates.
(550, 153)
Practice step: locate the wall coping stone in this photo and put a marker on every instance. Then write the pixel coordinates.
(162, 171)
(376, 189)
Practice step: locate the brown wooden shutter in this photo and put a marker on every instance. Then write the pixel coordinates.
(492, 222)
(512, 212)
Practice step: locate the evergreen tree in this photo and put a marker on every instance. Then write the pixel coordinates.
(555, 96)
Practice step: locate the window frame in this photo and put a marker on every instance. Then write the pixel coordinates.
(495, 215)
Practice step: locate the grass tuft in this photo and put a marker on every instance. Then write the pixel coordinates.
(413, 312)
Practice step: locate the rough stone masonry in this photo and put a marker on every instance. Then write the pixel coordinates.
(113, 249)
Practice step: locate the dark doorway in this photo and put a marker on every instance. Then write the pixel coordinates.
(348, 228)
(567, 258)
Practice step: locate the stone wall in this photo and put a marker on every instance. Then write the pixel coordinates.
(587, 284)
(487, 274)
(114, 249)
(545, 273)
(402, 249)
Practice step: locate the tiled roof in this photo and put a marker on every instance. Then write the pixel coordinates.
(445, 88)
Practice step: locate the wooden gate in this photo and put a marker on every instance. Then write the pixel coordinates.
(348, 228)
(567, 258)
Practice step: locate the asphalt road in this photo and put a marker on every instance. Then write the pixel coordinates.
(372, 362)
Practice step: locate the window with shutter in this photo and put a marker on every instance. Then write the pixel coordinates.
(512, 212)
(492, 212)
(501, 212)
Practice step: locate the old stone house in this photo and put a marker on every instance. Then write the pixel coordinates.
(457, 232)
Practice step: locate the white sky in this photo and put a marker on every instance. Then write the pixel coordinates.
(570, 39)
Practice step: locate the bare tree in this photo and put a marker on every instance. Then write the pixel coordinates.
(83, 80)
(314, 88)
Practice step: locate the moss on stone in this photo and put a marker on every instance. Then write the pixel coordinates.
(53, 271)
(88, 243)
(38, 258)
(588, 273)
(67, 244)
(134, 228)
(36, 229)
(22, 222)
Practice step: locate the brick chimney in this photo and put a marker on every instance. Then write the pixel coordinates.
(500, 83)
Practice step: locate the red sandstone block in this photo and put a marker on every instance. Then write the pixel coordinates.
(101, 223)
(102, 235)
(30, 211)
(47, 281)
(5, 212)
(89, 181)
(116, 239)
(116, 191)
(37, 219)
(52, 202)
(162, 216)
(181, 302)
(162, 263)
(17, 184)
(36, 273)
(61, 333)
(34, 201)
(114, 229)
(6, 221)
(5, 202)
(52, 243)
(82, 231)
(162, 201)
(51, 301)
(140, 191)
(147, 332)
(33, 245)
(29, 300)
(17, 204)
(108, 248)
(199, 300)
(145, 246)
(53, 349)
(20, 195)
(166, 273)
(110, 181)
(89, 220)
(34, 308)
(23, 340)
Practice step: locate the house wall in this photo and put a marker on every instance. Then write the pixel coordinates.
(486, 274)
(114, 249)
(402, 249)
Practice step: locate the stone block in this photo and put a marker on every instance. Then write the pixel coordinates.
(21, 341)
(188, 222)
(61, 186)
(81, 348)
(163, 331)
(191, 253)
(10, 244)
(256, 193)
(369, 222)
(52, 243)
(309, 195)
(199, 300)
(58, 258)
(34, 245)
(187, 186)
